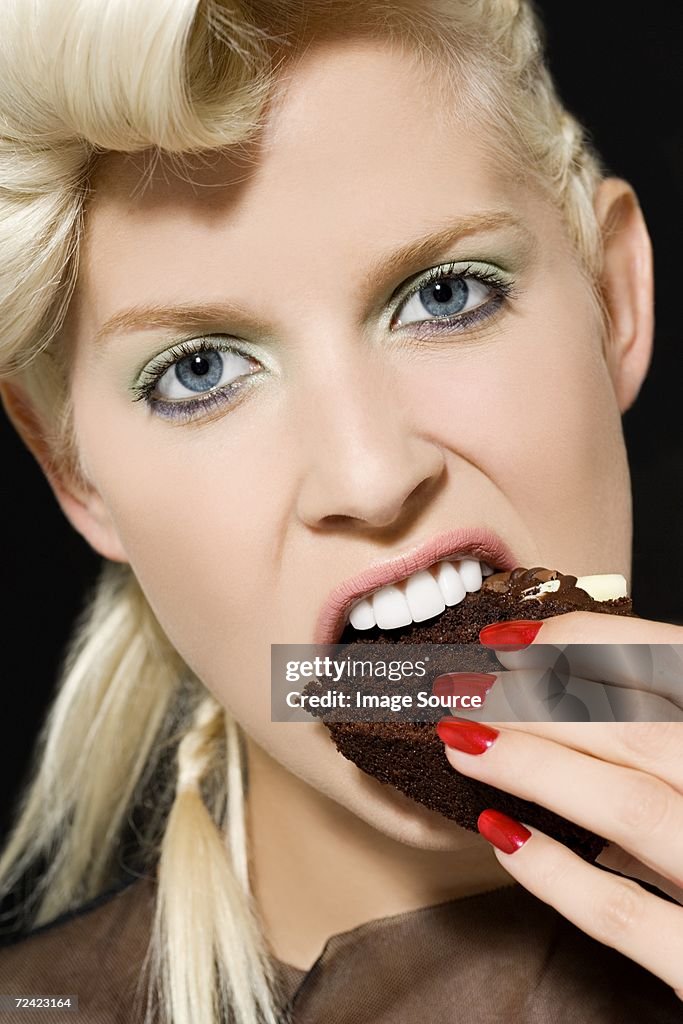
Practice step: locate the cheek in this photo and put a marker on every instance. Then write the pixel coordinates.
(533, 409)
(196, 515)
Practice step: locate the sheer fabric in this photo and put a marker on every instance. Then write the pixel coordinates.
(497, 956)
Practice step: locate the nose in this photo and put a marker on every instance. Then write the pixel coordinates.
(365, 458)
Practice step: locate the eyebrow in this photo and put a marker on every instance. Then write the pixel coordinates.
(414, 253)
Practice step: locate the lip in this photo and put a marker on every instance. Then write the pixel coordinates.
(473, 542)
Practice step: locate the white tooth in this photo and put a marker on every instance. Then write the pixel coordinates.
(424, 596)
(391, 608)
(361, 615)
(486, 569)
(452, 587)
(470, 574)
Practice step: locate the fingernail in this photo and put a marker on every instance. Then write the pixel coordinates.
(505, 833)
(463, 684)
(462, 734)
(510, 636)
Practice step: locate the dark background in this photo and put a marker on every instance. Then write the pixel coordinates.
(622, 77)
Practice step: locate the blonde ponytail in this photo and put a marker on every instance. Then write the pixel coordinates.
(206, 949)
(94, 753)
(125, 700)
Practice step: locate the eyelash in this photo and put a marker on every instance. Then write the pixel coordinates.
(501, 287)
(182, 410)
(179, 408)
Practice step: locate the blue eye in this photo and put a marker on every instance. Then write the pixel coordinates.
(200, 372)
(451, 297)
(192, 377)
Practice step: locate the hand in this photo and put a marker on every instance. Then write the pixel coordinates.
(554, 678)
(623, 780)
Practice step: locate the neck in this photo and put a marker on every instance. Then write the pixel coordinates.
(317, 869)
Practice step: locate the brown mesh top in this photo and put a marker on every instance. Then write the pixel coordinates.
(499, 956)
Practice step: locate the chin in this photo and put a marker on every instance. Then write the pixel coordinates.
(439, 837)
(404, 820)
(376, 803)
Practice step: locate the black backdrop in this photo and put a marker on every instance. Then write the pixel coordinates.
(622, 76)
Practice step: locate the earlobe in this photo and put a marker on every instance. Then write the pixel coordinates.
(81, 505)
(627, 287)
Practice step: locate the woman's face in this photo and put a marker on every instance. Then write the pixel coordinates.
(370, 416)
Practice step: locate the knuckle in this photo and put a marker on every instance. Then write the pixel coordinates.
(645, 804)
(567, 628)
(578, 623)
(551, 871)
(521, 769)
(652, 741)
(619, 912)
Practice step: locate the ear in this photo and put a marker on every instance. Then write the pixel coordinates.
(627, 287)
(81, 504)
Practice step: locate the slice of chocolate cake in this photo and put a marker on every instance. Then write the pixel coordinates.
(409, 754)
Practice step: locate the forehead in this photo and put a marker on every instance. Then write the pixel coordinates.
(357, 151)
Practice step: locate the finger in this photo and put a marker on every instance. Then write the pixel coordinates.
(608, 647)
(540, 695)
(615, 911)
(615, 857)
(639, 812)
(655, 748)
(655, 669)
(598, 627)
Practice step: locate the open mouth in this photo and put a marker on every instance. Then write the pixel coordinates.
(422, 597)
(414, 585)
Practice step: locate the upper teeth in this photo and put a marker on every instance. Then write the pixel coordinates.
(421, 596)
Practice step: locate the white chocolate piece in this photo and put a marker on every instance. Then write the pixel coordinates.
(603, 587)
(541, 588)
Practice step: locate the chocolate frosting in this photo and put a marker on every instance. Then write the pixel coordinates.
(523, 583)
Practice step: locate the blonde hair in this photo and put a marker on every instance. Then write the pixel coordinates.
(182, 77)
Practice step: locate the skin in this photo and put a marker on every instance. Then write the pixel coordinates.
(357, 441)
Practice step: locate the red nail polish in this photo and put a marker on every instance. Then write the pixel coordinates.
(510, 636)
(505, 833)
(463, 684)
(470, 737)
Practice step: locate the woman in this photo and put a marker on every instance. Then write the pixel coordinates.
(229, 238)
